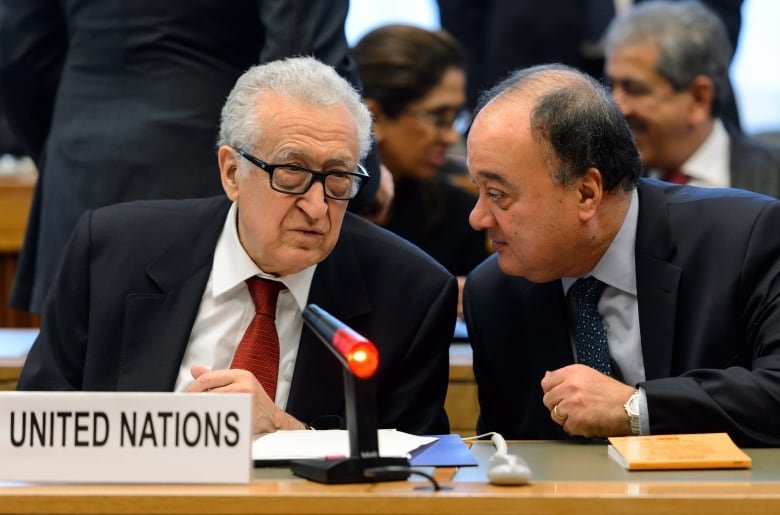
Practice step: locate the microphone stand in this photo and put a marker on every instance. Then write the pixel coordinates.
(364, 463)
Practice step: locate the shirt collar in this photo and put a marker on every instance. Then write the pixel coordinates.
(617, 266)
(232, 266)
(709, 165)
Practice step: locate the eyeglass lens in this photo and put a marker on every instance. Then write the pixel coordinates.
(297, 180)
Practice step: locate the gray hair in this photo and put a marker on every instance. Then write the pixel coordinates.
(577, 123)
(691, 39)
(302, 78)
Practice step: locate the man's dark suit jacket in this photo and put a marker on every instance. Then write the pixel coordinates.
(121, 309)
(118, 101)
(708, 285)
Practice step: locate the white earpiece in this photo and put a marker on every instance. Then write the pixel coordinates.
(506, 469)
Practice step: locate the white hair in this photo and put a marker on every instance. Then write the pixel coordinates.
(302, 78)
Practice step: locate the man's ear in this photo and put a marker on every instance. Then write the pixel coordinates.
(590, 190)
(702, 93)
(228, 171)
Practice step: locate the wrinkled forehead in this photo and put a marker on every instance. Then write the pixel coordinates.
(293, 128)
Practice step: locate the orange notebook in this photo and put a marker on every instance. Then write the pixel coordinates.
(684, 451)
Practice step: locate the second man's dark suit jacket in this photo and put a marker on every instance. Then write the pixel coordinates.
(708, 285)
(122, 307)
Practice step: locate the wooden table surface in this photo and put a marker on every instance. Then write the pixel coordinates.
(568, 478)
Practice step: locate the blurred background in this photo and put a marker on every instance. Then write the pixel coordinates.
(755, 71)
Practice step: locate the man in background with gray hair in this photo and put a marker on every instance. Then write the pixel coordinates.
(667, 64)
(159, 295)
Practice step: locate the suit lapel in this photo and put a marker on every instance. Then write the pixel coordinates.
(337, 287)
(158, 323)
(657, 281)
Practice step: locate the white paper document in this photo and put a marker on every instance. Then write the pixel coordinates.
(306, 444)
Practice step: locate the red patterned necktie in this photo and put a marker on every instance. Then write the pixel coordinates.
(258, 350)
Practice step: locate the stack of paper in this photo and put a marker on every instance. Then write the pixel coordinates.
(292, 445)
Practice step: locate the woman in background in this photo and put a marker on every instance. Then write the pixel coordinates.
(414, 84)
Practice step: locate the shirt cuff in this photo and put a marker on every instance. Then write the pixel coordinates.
(644, 415)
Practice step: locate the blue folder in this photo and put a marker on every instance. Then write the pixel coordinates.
(447, 451)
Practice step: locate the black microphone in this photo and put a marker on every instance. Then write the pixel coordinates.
(354, 351)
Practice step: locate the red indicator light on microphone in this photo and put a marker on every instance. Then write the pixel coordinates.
(361, 355)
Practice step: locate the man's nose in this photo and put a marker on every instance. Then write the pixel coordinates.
(313, 202)
(480, 218)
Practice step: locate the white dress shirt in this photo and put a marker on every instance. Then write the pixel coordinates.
(226, 309)
(709, 166)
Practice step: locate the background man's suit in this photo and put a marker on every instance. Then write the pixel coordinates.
(505, 35)
(122, 318)
(755, 165)
(118, 100)
(708, 284)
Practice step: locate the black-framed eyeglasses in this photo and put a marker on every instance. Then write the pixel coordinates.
(296, 180)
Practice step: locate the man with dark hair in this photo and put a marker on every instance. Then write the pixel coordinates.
(614, 305)
(668, 63)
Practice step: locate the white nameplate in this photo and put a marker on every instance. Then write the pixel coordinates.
(125, 437)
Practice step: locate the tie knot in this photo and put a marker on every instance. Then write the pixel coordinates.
(264, 293)
(587, 291)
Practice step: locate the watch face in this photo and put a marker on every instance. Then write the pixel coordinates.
(632, 406)
(632, 410)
